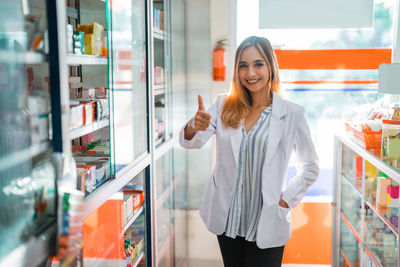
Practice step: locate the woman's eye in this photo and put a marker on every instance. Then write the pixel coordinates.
(259, 64)
(242, 66)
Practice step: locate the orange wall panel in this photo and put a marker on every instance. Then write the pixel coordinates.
(311, 241)
(333, 58)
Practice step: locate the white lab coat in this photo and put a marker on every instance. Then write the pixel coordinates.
(288, 132)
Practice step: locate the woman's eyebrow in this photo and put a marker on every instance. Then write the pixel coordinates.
(259, 61)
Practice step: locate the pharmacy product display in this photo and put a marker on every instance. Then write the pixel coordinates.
(366, 214)
(28, 174)
(82, 109)
(89, 109)
(376, 128)
(161, 72)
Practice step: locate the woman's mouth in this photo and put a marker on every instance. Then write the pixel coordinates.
(252, 81)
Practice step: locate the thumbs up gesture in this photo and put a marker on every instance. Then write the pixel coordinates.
(202, 118)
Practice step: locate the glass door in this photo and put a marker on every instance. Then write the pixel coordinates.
(129, 81)
(27, 174)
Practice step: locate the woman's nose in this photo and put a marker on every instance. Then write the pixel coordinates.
(251, 72)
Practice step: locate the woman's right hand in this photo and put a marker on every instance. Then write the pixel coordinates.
(199, 122)
(202, 118)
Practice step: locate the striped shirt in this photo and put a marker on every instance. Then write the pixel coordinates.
(246, 203)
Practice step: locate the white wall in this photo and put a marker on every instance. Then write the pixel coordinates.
(223, 26)
(203, 245)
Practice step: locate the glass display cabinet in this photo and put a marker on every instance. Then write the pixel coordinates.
(95, 86)
(28, 174)
(366, 213)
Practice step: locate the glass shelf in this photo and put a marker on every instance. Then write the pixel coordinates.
(23, 155)
(158, 34)
(351, 205)
(391, 225)
(28, 58)
(159, 89)
(74, 60)
(86, 129)
(133, 218)
(380, 239)
(139, 258)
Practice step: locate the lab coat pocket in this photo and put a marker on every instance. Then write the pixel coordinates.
(273, 227)
(284, 213)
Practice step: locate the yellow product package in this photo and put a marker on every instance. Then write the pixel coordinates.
(94, 28)
(90, 45)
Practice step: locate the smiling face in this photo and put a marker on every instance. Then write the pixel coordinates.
(253, 70)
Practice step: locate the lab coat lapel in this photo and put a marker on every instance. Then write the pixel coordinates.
(277, 125)
(236, 138)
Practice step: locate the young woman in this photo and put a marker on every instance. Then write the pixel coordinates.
(247, 203)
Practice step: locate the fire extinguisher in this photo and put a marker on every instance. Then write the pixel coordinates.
(219, 67)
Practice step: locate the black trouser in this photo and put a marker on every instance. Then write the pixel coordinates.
(241, 253)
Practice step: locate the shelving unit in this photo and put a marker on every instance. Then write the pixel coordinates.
(358, 214)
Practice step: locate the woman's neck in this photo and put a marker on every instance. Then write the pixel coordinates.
(261, 99)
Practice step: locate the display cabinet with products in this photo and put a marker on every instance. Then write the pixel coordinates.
(88, 92)
(103, 85)
(366, 213)
(28, 171)
(161, 71)
(93, 92)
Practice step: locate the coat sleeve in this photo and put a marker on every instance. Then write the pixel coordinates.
(201, 137)
(307, 163)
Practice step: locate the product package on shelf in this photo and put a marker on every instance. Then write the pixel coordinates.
(391, 142)
(156, 18)
(101, 163)
(92, 169)
(87, 106)
(76, 115)
(79, 43)
(93, 38)
(38, 106)
(135, 241)
(133, 200)
(158, 75)
(70, 223)
(74, 83)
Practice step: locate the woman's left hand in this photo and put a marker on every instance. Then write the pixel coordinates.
(283, 204)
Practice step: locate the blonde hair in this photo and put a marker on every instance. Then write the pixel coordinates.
(238, 102)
